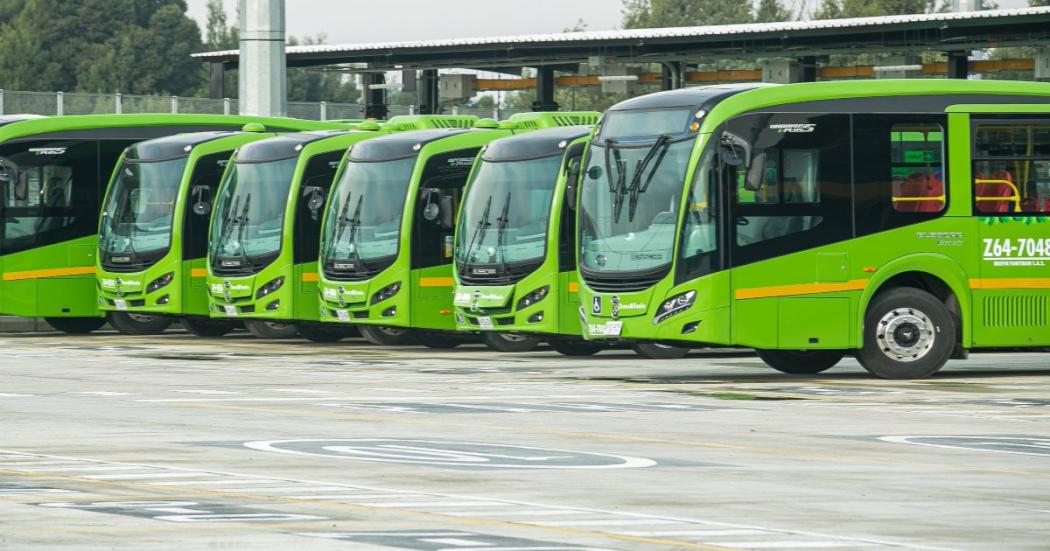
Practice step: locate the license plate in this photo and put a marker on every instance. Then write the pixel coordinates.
(230, 311)
(343, 315)
(120, 304)
(607, 329)
(485, 322)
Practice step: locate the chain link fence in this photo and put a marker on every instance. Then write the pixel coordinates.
(60, 103)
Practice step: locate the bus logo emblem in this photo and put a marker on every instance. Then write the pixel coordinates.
(475, 303)
(226, 291)
(119, 287)
(615, 300)
(341, 294)
(596, 305)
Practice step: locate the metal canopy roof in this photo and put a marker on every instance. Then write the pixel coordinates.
(937, 31)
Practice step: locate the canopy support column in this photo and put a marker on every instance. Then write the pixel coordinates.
(545, 90)
(375, 96)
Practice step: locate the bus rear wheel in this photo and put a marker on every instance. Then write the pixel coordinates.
(382, 335)
(129, 323)
(510, 342)
(270, 329)
(574, 347)
(325, 332)
(801, 362)
(908, 334)
(207, 328)
(76, 326)
(657, 351)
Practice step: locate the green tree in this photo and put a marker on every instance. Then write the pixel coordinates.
(132, 46)
(836, 9)
(641, 14)
(770, 11)
(1037, 3)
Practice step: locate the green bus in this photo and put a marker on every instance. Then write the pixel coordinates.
(54, 172)
(515, 246)
(901, 222)
(149, 273)
(265, 230)
(387, 242)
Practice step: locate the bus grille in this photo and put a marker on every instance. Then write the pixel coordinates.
(1015, 311)
(617, 285)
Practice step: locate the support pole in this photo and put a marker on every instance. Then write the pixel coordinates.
(218, 81)
(375, 98)
(808, 68)
(429, 99)
(959, 65)
(263, 75)
(118, 103)
(60, 104)
(545, 90)
(670, 75)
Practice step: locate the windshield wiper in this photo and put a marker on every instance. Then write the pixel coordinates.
(636, 187)
(241, 229)
(355, 223)
(501, 230)
(483, 224)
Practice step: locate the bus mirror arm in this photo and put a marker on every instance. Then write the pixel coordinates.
(316, 197)
(201, 207)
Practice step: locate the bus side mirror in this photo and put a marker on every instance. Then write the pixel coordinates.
(201, 207)
(755, 173)
(572, 173)
(316, 197)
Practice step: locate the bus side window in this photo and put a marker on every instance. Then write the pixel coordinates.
(203, 183)
(792, 187)
(317, 179)
(899, 170)
(437, 206)
(1011, 168)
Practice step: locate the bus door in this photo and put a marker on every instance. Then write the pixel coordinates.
(1011, 199)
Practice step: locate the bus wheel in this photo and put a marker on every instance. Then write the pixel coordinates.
(269, 329)
(76, 326)
(908, 334)
(204, 327)
(657, 351)
(325, 332)
(801, 362)
(574, 347)
(382, 335)
(510, 342)
(139, 324)
(437, 339)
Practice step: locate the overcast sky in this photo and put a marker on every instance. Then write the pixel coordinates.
(346, 21)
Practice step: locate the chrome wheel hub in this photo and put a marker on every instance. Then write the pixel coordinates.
(905, 334)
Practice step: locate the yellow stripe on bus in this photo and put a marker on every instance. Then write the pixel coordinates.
(198, 272)
(1011, 283)
(51, 272)
(800, 289)
(436, 282)
(310, 276)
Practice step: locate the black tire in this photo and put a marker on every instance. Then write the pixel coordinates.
(325, 332)
(207, 328)
(574, 347)
(908, 334)
(510, 342)
(271, 329)
(801, 362)
(76, 326)
(129, 323)
(382, 335)
(658, 351)
(437, 339)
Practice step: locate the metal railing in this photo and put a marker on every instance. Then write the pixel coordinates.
(75, 103)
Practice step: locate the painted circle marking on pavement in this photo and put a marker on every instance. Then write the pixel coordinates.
(442, 453)
(1018, 445)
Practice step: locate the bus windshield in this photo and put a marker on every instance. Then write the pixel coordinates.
(505, 215)
(631, 190)
(249, 213)
(363, 222)
(138, 211)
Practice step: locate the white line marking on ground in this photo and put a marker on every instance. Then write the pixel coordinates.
(522, 513)
(428, 504)
(692, 533)
(11, 395)
(79, 469)
(102, 393)
(606, 522)
(139, 476)
(787, 544)
(203, 391)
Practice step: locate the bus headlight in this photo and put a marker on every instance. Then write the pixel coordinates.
(270, 287)
(386, 292)
(533, 297)
(675, 305)
(160, 282)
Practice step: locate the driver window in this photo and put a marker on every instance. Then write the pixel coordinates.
(791, 178)
(317, 179)
(437, 206)
(205, 180)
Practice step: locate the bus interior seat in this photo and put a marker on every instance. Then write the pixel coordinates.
(997, 190)
(918, 184)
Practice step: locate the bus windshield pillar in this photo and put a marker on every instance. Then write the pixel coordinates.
(959, 65)
(545, 90)
(375, 96)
